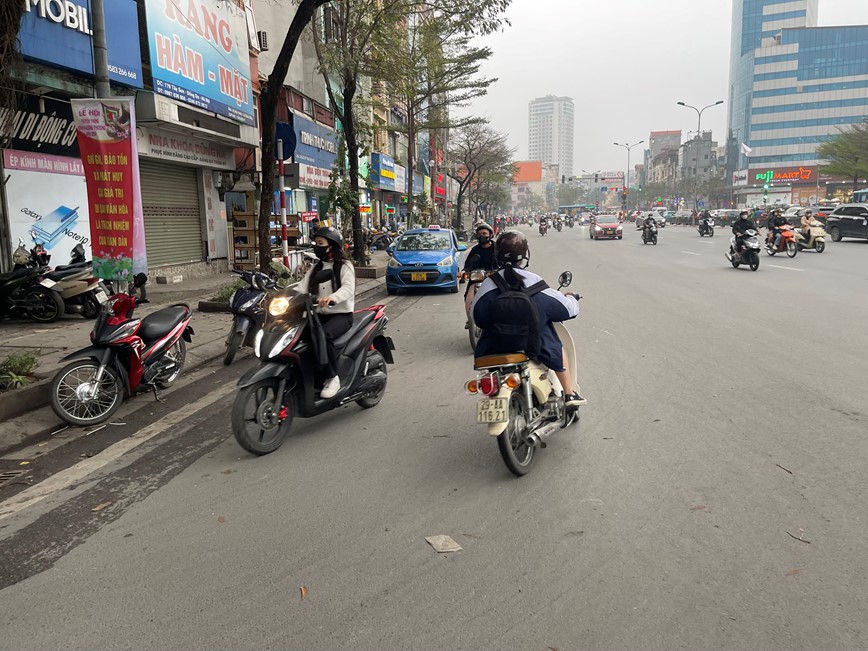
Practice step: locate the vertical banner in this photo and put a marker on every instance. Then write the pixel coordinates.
(106, 137)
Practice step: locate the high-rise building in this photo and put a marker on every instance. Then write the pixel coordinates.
(551, 121)
(792, 84)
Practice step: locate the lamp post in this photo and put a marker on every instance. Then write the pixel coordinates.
(627, 173)
(699, 114)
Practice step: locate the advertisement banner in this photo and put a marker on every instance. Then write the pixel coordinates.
(47, 128)
(400, 179)
(315, 144)
(111, 166)
(382, 171)
(58, 220)
(200, 56)
(180, 148)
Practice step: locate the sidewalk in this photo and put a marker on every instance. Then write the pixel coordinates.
(54, 341)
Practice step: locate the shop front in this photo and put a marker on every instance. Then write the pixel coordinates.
(309, 175)
(383, 197)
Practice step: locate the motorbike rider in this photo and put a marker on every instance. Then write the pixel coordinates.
(780, 223)
(741, 226)
(513, 255)
(335, 298)
(481, 256)
(806, 221)
(648, 223)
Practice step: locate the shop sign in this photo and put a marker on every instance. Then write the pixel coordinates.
(200, 56)
(309, 216)
(739, 177)
(784, 175)
(390, 210)
(111, 167)
(315, 144)
(299, 175)
(59, 32)
(180, 148)
(365, 208)
(47, 131)
(382, 171)
(418, 183)
(400, 178)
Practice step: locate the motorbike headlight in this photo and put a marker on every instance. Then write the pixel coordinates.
(394, 263)
(257, 343)
(283, 342)
(446, 262)
(278, 305)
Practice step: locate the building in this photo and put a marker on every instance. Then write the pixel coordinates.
(659, 142)
(551, 123)
(792, 84)
(528, 186)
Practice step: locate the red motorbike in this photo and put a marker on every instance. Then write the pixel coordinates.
(787, 243)
(128, 355)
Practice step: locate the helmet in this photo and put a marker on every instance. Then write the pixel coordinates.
(483, 225)
(512, 248)
(333, 235)
(21, 256)
(743, 213)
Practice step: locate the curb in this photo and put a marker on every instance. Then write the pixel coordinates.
(20, 401)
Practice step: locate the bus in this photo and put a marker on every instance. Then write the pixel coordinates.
(860, 196)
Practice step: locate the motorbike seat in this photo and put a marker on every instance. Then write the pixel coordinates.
(509, 359)
(58, 275)
(17, 273)
(359, 322)
(80, 266)
(160, 323)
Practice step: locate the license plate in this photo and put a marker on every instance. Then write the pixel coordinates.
(610, 232)
(418, 276)
(101, 297)
(47, 282)
(492, 410)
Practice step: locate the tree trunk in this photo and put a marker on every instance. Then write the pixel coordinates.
(411, 164)
(349, 124)
(268, 111)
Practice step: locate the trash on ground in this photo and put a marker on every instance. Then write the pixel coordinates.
(443, 544)
(100, 507)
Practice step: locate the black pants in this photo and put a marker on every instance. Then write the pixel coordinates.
(334, 325)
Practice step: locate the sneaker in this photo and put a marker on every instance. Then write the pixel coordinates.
(574, 400)
(330, 388)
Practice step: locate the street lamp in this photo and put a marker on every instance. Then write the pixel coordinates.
(699, 114)
(627, 173)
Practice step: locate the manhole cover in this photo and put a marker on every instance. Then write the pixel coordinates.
(8, 475)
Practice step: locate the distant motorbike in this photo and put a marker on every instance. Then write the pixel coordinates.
(816, 238)
(559, 225)
(749, 254)
(248, 311)
(571, 222)
(127, 355)
(649, 234)
(706, 227)
(787, 243)
(521, 401)
(543, 228)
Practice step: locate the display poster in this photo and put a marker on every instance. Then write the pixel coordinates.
(105, 129)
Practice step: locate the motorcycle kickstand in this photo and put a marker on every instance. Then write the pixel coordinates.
(156, 397)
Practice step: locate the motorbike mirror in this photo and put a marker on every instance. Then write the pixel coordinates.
(140, 280)
(565, 279)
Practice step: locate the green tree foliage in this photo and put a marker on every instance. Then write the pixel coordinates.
(847, 153)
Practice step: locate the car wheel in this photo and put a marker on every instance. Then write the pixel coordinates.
(835, 232)
(391, 290)
(454, 288)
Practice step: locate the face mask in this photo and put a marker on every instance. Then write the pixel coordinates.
(322, 252)
(484, 240)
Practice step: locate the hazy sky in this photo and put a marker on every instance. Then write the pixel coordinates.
(625, 63)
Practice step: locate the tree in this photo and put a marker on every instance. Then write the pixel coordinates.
(268, 101)
(11, 14)
(476, 148)
(847, 153)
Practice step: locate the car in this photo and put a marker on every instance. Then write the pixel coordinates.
(848, 220)
(424, 257)
(606, 226)
(822, 210)
(658, 215)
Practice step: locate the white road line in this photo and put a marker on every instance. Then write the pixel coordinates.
(66, 478)
(777, 266)
(690, 253)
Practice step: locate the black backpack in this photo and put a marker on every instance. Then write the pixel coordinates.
(515, 325)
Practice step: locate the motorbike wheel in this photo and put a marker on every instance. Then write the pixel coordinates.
(754, 261)
(232, 346)
(819, 246)
(70, 387)
(792, 249)
(375, 363)
(178, 354)
(710, 232)
(654, 240)
(258, 427)
(735, 264)
(43, 305)
(90, 307)
(512, 443)
(770, 251)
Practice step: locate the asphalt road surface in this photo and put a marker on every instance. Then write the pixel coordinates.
(713, 495)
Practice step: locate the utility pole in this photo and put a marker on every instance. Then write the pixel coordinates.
(102, 87)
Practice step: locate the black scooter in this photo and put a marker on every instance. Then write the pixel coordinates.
(248, 310)
(291, 347)
(27, 292)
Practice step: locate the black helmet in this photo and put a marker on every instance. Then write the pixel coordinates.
(512, 248)
(333, 235)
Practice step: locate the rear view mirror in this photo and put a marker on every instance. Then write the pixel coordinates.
(565, 279)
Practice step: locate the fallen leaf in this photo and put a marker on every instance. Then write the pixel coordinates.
(656, 420)
(221, 519)
(443, 544)
(100, 507)
(303, 591)
(793, 572)
(698, 507)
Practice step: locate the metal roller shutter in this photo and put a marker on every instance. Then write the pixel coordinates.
(173, 222)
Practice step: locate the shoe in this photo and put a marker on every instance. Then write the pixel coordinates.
(330, 388)
(467, 325)
(574, 400)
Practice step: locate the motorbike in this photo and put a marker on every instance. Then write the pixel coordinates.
(543, 228)
(571, 222)
(706, 227)
(559, 225)
(816, 238)
(474, 277)
(291, 349)
(521, 401)
(127, 355)
(27, 292)
(649, 234)
(787, 243)
(749, 254)
(248, 311)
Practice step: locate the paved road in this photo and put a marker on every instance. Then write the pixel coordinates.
(713, 495)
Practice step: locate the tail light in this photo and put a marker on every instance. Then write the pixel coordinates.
(489, 384)
(472, 386)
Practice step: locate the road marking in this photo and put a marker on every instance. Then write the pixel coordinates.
(777, 266)
(66, 478)
(691, 253)
(606, 331)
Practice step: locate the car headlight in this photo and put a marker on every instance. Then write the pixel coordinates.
(446, 262)
(619, 228)
(278, 305)
(597, 228)
(283, 342)
(394, 263)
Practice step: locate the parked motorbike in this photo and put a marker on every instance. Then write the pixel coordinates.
(248, 310)
(127, 355)
(749, 254)
(706, 227)
(816, 238)
(26, 292)
(543, 228)
(291, 347)
(787, 243)
(649, 234)
(521, 401)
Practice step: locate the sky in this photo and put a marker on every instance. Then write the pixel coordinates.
(625, 63)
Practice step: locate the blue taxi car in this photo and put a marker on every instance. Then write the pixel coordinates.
(424, 257)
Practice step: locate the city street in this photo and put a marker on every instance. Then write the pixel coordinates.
(712, 496)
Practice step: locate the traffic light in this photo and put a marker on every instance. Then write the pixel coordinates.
(563, 178)
(596, 178)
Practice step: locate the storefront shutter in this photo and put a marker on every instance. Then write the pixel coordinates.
(173, 222)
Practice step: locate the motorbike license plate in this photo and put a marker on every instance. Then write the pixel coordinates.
(101, 297)
(418, 277)
(492, 410)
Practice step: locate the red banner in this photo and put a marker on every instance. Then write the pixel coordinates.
(106, 138)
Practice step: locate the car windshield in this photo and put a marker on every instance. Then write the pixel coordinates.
(607, 219)
(424, 242)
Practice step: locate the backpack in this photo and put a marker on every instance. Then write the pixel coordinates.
(515, 324)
